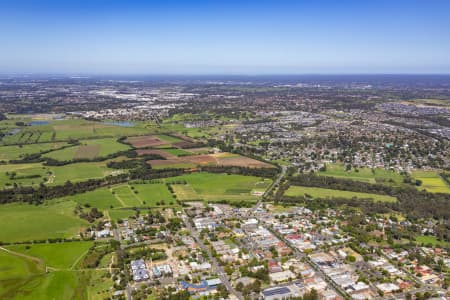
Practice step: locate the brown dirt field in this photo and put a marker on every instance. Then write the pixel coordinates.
(145, 141)
(201, 159)
(183, 137)
(87, 151)
(185, 145)
(242, 161)
(159, 152)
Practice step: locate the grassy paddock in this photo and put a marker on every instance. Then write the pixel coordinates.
(55, 255)
(24, 222)
(363, 174)
(431, 181)
(314, 192)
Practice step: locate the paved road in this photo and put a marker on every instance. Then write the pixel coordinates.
(312, 264)
(266, 193)
(216, 268)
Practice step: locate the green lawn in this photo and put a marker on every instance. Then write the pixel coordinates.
(177, 152)
(24, 222)
(25, 174)
(153, 193)
(16, 271)
(54, 285)
(329, 193)
(124, 194)
(168, 138)
(101, 198)
(63, 154)
(17, 152)
(431, 181)
(429, 239)
(55, 255)
(363, 174)
(98, 147)
(214, 187)
(61, 174)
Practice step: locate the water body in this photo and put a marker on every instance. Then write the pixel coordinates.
(120, 123)
(38, 123)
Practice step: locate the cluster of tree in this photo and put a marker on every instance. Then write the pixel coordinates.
(37, 157)
(258, 172)
(246, 290)
(13, 176)
(90, 216)
(134, 163)
(412, 202)
(37, 195)
(143, 252)
(97, 252)
(261, 274)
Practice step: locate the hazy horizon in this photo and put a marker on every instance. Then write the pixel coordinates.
(225, 38)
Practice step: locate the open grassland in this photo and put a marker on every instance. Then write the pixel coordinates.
(53, 285)
(428, 239)
(17, 152)
(363, 174)
(100, 198)
(99, 287)
(24, 174)
(35, 173)
(219, 159)
(24, 222)
(185, 192)
(154, 194)
(125, 195)
(17, 271)
(169, 139)
(431, 181)
(117, 214)
(89, 149)
(216, 187)
(64, 130)
(55, 255)
(177, 152)
(314, 192)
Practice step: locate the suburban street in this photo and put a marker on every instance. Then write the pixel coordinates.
(215, 265)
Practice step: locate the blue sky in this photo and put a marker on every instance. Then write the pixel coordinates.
(224, 37)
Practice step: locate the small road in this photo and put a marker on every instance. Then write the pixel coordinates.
(216, 268)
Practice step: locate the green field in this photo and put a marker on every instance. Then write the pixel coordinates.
(55, 255)
(53, 175)
(429, 239)
(16, 271)
(17, 152)
(177, 152)
(89, 149)
(101, 198)
(431, 181)
(125, 195)
(215, 187)
(64, 130)
(314, 192)
(363, 174)
(24, 222)
(153, 193)
(168, 138)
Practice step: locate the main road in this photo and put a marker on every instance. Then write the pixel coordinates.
(267, 192)
(216, 268)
